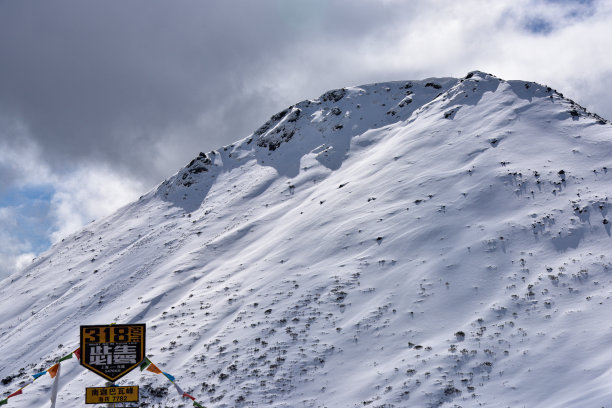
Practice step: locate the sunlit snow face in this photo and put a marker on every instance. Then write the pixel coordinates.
(454, 251)
(155, 84)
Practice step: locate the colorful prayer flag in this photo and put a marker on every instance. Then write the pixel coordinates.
(145, 363)
(77, 353)
(154, 369)
(179, 390)
(195, 404)
(4, 401)
(168, 376)
(185, 395)
(18, 392)
(55, 387)
(68, 357)
(38, 375)
(53, 370)
(29, 383)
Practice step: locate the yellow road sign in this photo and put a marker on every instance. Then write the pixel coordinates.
(112, 351)
(109, 395)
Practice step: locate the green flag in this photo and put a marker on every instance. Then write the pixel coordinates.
(145, 363)
(195, 404)
(4, 402)
(68, 357)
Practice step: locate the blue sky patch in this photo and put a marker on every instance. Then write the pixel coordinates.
(576, 9)
(588, 3)
(31, 206)
(15, 196)
(539, 25)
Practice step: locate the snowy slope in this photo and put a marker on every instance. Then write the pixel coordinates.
(442, 242)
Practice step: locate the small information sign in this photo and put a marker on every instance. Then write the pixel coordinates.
(112, 351)
(110, 395)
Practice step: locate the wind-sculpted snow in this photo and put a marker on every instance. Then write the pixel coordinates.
(325, 126)
(435, 243)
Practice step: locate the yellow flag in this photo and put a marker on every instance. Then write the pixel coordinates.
(53, 370)
(153, 368)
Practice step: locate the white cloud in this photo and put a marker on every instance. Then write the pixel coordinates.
(87, 194)
(79, 197)
(24, 259)
(451, 38)
(76, 198)
(21, 161)
(13, 252)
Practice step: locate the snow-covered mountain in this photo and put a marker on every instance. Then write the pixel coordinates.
(442, 242)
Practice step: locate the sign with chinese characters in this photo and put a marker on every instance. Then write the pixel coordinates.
(110, 395)
(112, 351)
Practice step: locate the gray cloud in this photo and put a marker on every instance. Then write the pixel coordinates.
(115, 96)
(144, 85)
(108, 81)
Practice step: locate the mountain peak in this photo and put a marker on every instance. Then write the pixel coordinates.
(330, 121)
(430, 243)
(480, 75)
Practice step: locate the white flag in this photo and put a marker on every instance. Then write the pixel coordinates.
(178, 389)
(55, 387)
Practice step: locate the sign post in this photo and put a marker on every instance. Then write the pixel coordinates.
(112, 351)
(111, 395)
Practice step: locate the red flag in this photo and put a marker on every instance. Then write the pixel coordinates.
(77, 353)
(15, 393)
(185, 395)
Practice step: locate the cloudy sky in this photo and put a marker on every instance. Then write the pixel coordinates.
(102, 100)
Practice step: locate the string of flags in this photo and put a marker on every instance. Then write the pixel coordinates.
(54, 372)
(149, 366)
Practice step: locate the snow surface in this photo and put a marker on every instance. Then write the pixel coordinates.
(435, 243)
